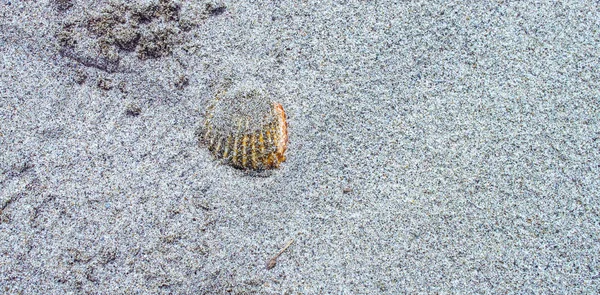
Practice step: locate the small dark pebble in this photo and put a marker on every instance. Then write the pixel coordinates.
(133, 110)
(122, 87)
(80, 77)
(104, 84)
(61, 4)
(181, 82)
(214, 11)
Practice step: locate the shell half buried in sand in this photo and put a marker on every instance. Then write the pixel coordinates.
(245, 129)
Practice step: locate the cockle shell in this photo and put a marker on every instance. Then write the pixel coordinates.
(245, 129)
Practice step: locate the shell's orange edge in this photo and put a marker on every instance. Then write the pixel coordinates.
(283, 140)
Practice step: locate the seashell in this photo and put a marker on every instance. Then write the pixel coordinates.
(245, 129)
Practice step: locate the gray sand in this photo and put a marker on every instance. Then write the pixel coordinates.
(434, 148)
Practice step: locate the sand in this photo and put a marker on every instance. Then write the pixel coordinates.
(435, 147)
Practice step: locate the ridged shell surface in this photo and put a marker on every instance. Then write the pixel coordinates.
(245, 128)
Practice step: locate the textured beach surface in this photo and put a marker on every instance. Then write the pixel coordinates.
(434, 147)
